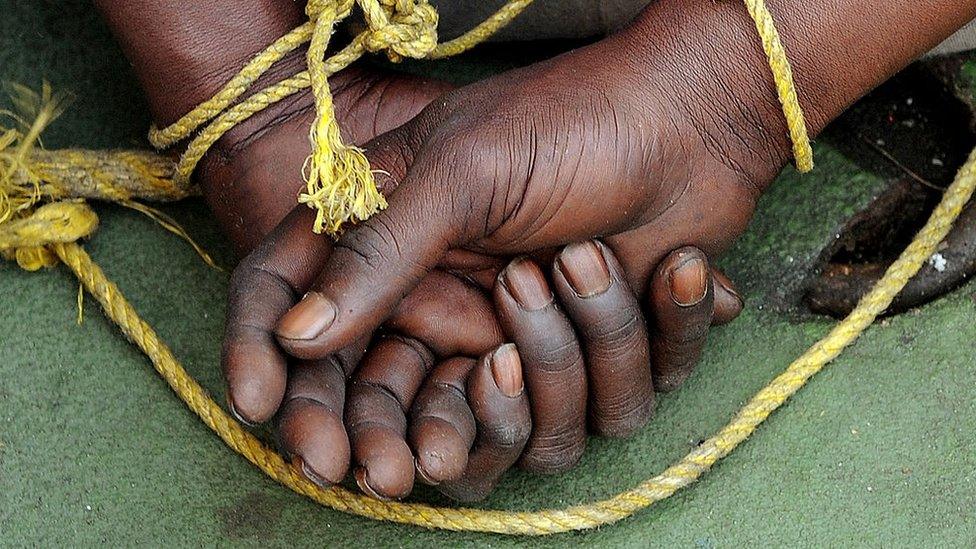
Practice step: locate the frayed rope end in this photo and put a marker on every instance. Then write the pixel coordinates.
(340, 184)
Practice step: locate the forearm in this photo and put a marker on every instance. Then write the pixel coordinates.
(842, 49)
(839, 51)
(182, 52)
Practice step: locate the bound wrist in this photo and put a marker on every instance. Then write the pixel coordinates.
(182, 53)
(705, 60)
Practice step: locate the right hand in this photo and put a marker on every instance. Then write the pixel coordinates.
(561, 151)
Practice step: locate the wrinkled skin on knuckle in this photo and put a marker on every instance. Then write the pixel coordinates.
(376, 407)
(621, 416)
(560, 355)
(375, 245)
(617, 333)
(506, 435)
(557, 453)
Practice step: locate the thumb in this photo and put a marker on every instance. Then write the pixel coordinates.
(373, 266)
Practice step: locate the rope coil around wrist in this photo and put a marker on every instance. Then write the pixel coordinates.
(39, 236)
(339, 182)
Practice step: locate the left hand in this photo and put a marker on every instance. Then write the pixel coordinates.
(606, 361)
(585, 360)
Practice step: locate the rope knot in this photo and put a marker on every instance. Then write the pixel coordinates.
(334, 9)
(401, 28)
(27, 239)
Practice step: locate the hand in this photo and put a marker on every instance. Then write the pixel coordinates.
(250, 181)
(312, 394)
(584, 364)
(251, 177)
(560, 151)
(652, 138)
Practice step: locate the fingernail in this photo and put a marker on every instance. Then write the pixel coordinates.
(687, 282)
(360, 475)
(506, 368)
(313, 477)
(726, 285)
(527, 284)
(308, 319)
(585, 268)
(422, 473)
(234, 413)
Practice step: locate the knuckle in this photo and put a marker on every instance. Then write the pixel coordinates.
(690, 332)
(371, 243)
(627, 419)
(370, 404)
(549, 463)
(252, 272)
(554, 453)
(508, 435)
(556, 355)
(618, 332)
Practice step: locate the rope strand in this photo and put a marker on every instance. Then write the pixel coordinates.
(339, 183)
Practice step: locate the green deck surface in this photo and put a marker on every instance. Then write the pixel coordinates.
(879, 450)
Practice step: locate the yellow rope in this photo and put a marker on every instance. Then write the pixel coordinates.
(53, 229)
(620, 506)
(785, 88)
(340, 185)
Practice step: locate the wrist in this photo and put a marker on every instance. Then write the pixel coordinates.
(709, 60)
(183, 52)
(705, 61)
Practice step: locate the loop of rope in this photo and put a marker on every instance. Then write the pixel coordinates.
(785, 87)
(27, 239)
(681, 474)
(51, 232)
(401, 28)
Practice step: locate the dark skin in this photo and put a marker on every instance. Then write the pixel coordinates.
(447, 317)
(671, 143)
(650, 139)
(694, 149)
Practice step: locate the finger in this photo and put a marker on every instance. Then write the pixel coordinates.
(552, 365)
(449, 315)
(591, 288)
(681, 301)
(380, 393)
(478, 269)
(497, 399)
(728, 302)
(310, 427)
(262, 288)
(442, 427)
(374, 265)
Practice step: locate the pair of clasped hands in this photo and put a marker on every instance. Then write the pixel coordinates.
(541, 270)
(543, 266)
